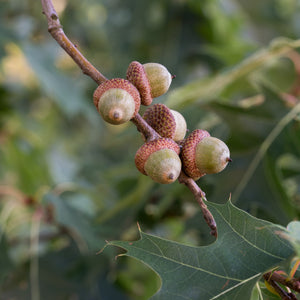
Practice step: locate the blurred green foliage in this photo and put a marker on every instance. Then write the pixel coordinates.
(68, 180)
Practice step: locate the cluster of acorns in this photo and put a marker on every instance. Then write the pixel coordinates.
(118, 101)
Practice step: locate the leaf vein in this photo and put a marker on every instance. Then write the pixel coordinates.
(247, 241)
(235, 286)
(184, 264)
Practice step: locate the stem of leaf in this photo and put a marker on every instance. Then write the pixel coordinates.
(259, 291)
(263, 149)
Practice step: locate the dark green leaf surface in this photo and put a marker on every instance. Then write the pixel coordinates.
(227, 269)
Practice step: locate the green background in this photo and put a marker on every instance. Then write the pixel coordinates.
(68, 181)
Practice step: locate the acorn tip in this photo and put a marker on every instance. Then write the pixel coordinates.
(171, 176)
(116, 115)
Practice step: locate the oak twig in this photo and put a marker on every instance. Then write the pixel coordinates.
(200, 197)
(292, 283)
(281, 292)
(149, 133)
(55, 29)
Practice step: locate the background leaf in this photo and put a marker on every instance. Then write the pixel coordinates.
(211, 88)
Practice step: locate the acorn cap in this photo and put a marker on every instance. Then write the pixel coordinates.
(166, 122)
(147, 149)
(161, 119)
(117, 100)
(212, 155)
(159, 78)
(188, 153)
(137, 75)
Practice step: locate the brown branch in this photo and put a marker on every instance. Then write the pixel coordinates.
(293, 283)
(200, 197)
(142, 126)
(55, 29)
(280, 291)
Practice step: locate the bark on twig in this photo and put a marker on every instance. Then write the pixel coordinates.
(293, 283)
(200, 197)
(149, 133)
(55, 29)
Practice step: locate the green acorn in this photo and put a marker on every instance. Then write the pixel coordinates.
(202, 154)
(151, 79)
(159, 78)
(117, 100)
(159, 160)
(212, 155)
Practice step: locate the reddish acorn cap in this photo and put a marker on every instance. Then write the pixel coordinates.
(188, 153)
(137, 75)
(147, 149)
(118, 83)
(161, 119)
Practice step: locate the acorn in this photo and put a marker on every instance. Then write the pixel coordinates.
(166, 122)
(159, 77)
(159, 160)
(151, 79)
(202, 154)
(117, 100)
(212, 155)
